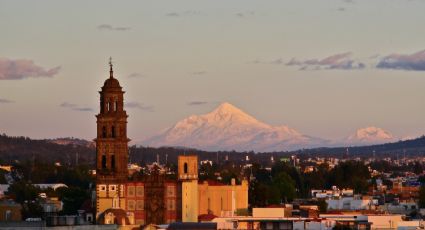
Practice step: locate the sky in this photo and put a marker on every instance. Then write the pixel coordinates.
(322, 67)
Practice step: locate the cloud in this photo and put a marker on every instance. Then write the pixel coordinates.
(23, 68)
(414, 62)
(173, 14)
(341, 61)
(199, 73)
(341, 9)
(183, 13)
(136, 75)
(194, 103)
(75, 107)
(5, 101)
(277, 61)
(137, 105)
(110, 27)
(83, 109)
(245, 14)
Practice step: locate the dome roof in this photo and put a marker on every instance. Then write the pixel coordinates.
(111, 83)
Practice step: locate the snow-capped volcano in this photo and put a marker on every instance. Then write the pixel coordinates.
(370, 135)
(229, 128)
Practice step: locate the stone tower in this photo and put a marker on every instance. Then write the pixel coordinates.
(188, 175)
(111, 147)
(111, 140)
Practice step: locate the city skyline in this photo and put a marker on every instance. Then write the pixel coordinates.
(326, 75)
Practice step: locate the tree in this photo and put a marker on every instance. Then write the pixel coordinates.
(350, 174)
(285, 185)
(72, 198)
(26, 195)
(422, 197)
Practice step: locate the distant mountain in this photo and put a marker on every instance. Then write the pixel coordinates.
(411, 147)
(72, 141)
(229, 128)
(370, 135)
(26, 149)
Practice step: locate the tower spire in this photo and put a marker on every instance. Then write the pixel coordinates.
(111, 72)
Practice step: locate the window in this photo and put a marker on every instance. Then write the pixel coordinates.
(221, 204)
(102, 188)
(130, 191)
(113, 131)
(107, 106)
(104, 132)
(113, 162)
(7, 215)
(110, 106)
(140, 191)
(103, 161)
(131, 204)
(115, 105)
(170, 205)
(140, 205)
(115, 203)
(170, 191)
(185, 168)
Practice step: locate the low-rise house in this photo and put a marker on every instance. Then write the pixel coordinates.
(10, 211)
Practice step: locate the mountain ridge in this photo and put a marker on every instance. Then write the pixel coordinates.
(229, 128)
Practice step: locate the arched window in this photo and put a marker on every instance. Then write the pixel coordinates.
(185, 168)
(107, 106)
(113, 131)
(113, 162)
(104, 132)
(115, 105)
(103, 161)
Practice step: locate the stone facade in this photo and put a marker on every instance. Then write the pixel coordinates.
(149, 199)
(120, 200)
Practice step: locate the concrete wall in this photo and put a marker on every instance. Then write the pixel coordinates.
(190, 201)
(220, 199)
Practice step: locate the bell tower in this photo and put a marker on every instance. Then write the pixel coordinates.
(111, 140)
(188, 175)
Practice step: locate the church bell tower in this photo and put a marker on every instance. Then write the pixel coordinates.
(111, 140)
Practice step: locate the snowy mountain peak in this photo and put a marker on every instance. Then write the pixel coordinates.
(229, 128)
(228, 112)
(371, 135)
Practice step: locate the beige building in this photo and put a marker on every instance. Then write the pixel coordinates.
(188, 175)
(208, 197)
(223, 200)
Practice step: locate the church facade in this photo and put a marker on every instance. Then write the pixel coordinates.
(121, 200)
(149, 199)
